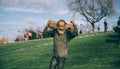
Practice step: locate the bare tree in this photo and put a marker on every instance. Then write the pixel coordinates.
(92, 10)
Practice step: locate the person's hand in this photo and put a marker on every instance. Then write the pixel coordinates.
(49, 23)
(72, 21)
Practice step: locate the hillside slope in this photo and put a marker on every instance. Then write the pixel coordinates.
(93, 51)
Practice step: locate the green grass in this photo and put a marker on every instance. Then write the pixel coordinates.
(95, 51)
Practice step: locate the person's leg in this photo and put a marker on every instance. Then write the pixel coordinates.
(61, 62)
(105, 29)
(53, 63)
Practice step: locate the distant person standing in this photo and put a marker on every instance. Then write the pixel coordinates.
(118, 22)
(80, 32)
(98, 28)
(117, 28)
(105, 25)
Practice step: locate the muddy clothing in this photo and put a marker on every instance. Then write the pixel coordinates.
(60, 46)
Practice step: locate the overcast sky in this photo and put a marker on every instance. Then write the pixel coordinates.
(20, 14)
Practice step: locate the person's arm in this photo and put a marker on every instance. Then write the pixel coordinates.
(47, 32)
(72, 33)
(75, 31)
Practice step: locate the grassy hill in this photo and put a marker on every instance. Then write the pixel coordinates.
(90, 51)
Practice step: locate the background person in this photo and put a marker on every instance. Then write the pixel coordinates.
(105, 25)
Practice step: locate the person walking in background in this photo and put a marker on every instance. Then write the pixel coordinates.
(61, 37)
(105, 25)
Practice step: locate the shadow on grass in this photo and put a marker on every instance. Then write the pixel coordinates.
(113, 36)
(116, 40)
(116, 63)
(113, 39)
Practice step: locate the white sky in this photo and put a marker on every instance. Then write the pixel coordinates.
(20, 14)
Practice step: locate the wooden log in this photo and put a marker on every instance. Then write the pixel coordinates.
(53, 25)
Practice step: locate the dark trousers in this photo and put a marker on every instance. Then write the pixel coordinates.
(105, 29)
(57, 62)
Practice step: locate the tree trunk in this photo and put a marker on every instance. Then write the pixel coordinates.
(93, 27)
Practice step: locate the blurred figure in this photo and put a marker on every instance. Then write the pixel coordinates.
(26, 37)
(80, 32)
(113, 27)
(4, 40)
(105, 25)
(118, 22)
(117, 28)
(98, 28)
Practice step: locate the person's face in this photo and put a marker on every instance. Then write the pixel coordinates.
(61, 27)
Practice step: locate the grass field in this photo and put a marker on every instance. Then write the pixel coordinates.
(91, 51)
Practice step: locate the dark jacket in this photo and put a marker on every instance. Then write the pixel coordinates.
(118, 22)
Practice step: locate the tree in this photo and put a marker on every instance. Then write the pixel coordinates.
(92, 10)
